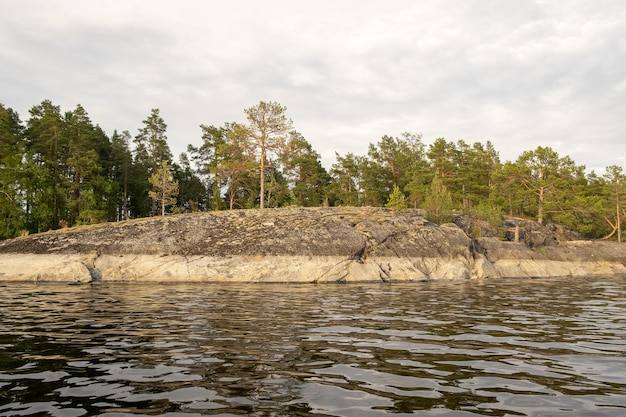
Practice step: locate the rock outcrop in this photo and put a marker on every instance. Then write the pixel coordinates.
(302, 245)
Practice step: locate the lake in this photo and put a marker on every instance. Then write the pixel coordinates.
(493, 348)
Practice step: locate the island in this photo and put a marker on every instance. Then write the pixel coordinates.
(306, 245)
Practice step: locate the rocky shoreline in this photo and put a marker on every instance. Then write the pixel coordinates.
(313, 245)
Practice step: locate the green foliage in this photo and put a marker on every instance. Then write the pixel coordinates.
(46, 153)
(164, 187)
(306, 178)
(550, 181)
(192, 194)
(151, 150)
(466, 171)
(12, 219)
(392, 161)
(396, 199)
(441, 155)
(87, 188)
(615, 212)
(268, 126)
(211, 158)
(89, 210)
(346, 185)
(438, 202)
(492, 214)
(510, 194)
(121, 166)
(226, 163)
(59, 169)
(151, 142)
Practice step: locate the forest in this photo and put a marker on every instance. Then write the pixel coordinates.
(58, 169)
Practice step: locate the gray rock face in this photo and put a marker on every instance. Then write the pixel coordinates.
(299, 245)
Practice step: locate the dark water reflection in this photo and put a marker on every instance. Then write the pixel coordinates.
(498, 348)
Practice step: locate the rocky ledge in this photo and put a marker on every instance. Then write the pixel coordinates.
(313, 245)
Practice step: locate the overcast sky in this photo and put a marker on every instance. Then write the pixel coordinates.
(520, 74)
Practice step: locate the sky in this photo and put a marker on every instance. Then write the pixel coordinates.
(518, 73)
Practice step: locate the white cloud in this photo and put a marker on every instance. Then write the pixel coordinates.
(521, 74)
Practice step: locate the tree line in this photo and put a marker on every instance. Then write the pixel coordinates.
(59, 169)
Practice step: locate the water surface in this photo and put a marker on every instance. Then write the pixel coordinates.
(494, 348)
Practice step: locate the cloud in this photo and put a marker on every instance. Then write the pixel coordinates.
(521, 74)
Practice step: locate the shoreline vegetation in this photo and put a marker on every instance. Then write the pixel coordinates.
(58, 170)
(313, 245)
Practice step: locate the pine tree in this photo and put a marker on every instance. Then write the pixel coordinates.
(121, 160)
(396, 199)
(616, 181)
(192, 194)
(551, 179)
(164, 187)
(308, 180)
(439, 202)
(46, 164)
(151, 149)
(347, 175)
(151, 142)
(88, 192)
(392, 161)
(268, 127)
(210, 158)
(12, 216)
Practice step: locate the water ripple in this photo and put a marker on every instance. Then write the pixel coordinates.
(496, 348)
